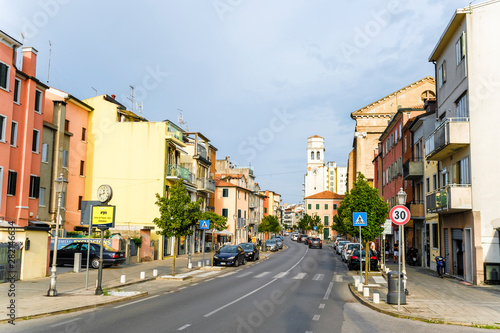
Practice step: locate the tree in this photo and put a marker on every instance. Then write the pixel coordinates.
(308, 223)
(177, 215)
(362, 198)
(270, 223)
(217, 222)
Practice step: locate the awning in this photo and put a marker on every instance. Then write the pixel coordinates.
(179, 148)
(223, 232)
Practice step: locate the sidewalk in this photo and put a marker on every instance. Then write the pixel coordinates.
(31, 301)
(432, 299)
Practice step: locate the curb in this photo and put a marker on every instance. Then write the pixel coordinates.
(423, 319)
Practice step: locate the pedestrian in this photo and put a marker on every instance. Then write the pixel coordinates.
(387, 249)
(396, 251)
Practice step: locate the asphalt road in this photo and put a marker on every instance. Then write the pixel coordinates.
(296, 290)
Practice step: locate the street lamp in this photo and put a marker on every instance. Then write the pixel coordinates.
(402, 201)
(401, 197)
(60, 185)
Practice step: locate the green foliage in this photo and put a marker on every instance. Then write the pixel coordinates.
(137, 241)
(270, 223)
(308, 223)
(217, 222)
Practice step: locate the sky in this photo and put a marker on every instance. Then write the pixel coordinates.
(256, 77)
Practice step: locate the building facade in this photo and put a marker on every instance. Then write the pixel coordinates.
(324, 205)
(316, 178)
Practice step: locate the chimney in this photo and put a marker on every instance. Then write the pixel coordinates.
(113, 96)
(29, 60)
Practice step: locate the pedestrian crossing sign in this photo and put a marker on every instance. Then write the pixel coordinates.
(204, 224)
(359, 219)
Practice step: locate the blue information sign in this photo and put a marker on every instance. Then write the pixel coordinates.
(359, 219)
(204, 224)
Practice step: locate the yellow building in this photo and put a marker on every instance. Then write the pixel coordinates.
(138, 159)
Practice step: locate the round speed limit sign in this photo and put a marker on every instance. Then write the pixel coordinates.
(400, 215)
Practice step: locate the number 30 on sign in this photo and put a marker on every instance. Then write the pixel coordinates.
(400, 215)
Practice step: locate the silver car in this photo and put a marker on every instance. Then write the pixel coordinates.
(347, 250)
(340, 245)
(271, 245)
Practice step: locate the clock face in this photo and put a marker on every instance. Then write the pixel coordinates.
(104, 193)
(315, 171)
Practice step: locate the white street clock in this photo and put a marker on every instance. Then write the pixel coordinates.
(104, 193)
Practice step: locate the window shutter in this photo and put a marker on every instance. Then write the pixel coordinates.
(36, 187)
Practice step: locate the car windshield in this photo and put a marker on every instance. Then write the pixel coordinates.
(247, 246)
(228, 249)
(270, 242)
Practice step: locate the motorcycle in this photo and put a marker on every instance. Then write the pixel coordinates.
(412, 256)
(440, 261)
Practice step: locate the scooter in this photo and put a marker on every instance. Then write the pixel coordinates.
(412, 256)
(440, 261)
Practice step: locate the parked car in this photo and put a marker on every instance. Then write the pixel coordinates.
(347, 250)
(279, 242)
(294, 236)
(336, 243)
(340, 246)
(110, 257)
(230, 255)
(271, 245)
(353, 262)
(251, 251)
(315, 242)
(302, 238)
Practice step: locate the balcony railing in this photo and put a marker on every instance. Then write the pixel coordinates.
(450, 136)
(205, 184)
(175, 171)
(413, 169)
(417, 209)
(450, 199)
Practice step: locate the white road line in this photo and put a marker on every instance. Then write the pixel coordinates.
(379, 279)
(227, 274)
(318, 277)
(141, 300)
(66, 322)
(245, 274)
(299, 276)
(194, 284)
(182, 288)
(208, 274)
(210, 279)
(322, 306)
(183, 327)
(316, 317)
(337, 278)
(328, 291)
(309, 331)
(261, 275)
(280, 275)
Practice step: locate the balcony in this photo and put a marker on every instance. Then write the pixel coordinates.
(175, 172)
(450, 199)
(205, 185)
(417, 209)
(413, 169)
(450, 136)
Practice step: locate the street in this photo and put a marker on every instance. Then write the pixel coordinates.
(295, 290)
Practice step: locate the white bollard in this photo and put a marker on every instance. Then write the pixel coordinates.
(143, 275)
(208, 262)
(356, 282)
(190, 265)
(360, 287)
(155, 272)
(376, 298)
(199, 263)
(122, 279)
(366, 292)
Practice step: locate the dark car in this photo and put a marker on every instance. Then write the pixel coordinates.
(110, 257)
(251, 251)
(353, 262)
(315, 242)
(230, 255)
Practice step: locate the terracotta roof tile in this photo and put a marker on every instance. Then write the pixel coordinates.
(325, 195)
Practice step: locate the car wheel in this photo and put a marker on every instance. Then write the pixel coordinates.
(95, 263)
(258, 257)
(244, 261)
(236, 262)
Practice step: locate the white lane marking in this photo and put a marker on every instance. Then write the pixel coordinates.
(316, 317)
(245, 274)
(299, 276)
(194, 284)
(379, 279)
(318, 277)
(182, 288)
(210, 279)
(254, 291)
(322, 306)
(190, 273)
(66, 322)
(183, 327)
(261, 275)
(337, 278)
(309, 331)
(328, 291)
(208, 274)
(141, 300)
(280, 275)
(227, 274)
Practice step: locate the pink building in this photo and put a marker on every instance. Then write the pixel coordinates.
(324, 205)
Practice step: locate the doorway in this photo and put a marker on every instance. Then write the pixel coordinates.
(468, 255)
(457, 252)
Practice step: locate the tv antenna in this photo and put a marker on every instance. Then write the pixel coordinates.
(94, 90)
(139, 106)
(181, 120)
(131, 98)
(50, 53)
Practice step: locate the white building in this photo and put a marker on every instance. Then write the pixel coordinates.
(337, 178)
(315, 180)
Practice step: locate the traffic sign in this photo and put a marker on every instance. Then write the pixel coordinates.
(359, 219)
(204, 224)
(400, 215)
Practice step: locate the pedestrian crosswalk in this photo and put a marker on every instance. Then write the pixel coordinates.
(258, 275)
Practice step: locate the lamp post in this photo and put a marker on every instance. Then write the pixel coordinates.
(60, 185)
(402, 201)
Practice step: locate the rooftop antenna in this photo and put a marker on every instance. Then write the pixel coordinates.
(50, 53)
(94, 90)
(131, 98)
(181, 120)
(139, 107)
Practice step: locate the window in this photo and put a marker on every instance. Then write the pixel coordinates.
(309, 206)
(45, 152)
(17, 91)
(38, 101)
(405, 144)
(225, 212)
(239, 213)
(460, 172)
(82, 167)
(66, 125)
(84, 134)
(36, 141)
(245, 195)
(325, 220)
(435, 236)
(225, 192)
(80, 199)
(34, 187)
(41, 198)
(65, 159)
(461, 108)
(265, 210)
(434, 182)
(442, 74)
(317, 155)
(334, 206)
(427, 185)
(317, 206)
(13, 134)
(4, 76)
(460, 48)
(312, 155)
(326, 206)
(3, 127)
(11, 183)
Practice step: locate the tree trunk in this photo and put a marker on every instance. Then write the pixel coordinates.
(367, 261)
(175, 254)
